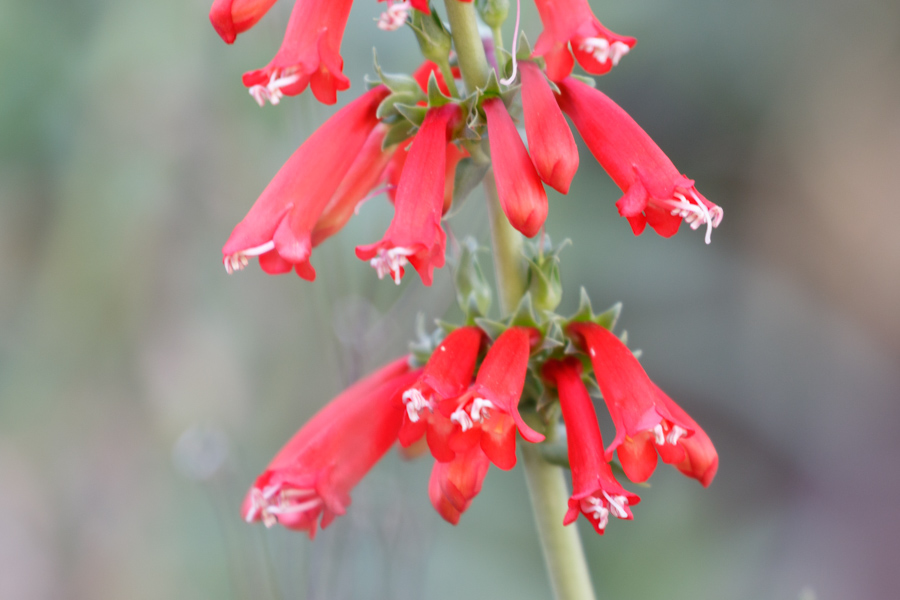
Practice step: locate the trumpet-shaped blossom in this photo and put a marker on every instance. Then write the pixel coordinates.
(446, 376)
(280, 225)
(595, 492)
(654, 191)
(596, 48)
(415, 235)
(550, 140)
(231, 17)
(311, 477)
(454, 484)
(365, 173)
(309, 55)
(519, 187)
(487, 415)
(647, 421)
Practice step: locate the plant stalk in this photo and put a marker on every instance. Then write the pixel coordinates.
(563, 554)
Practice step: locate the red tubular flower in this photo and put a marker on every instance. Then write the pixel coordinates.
(415, 235)
(310, 55)
(231, 17)
(365, 173)
(655, 192)
(278, 229)
(454, 484)
(519, 187)
(550, 140)
(446, 376)
(647, 421)
(597, 48)
(595, 491)
(315, 471)
(488, 414)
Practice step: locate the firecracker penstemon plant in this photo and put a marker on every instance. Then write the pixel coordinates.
(426, 140)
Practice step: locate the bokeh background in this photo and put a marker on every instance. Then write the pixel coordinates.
(142, 389)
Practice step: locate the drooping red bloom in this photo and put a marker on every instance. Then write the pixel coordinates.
(365, 173)
(519, 187)
(309, 55)
(655, 192)
(454, 484)
(312, 475)
(415, 235)
(595, 492)
(571, 21)
(647, 421)
(231, 17)
(550, 140)
(487, 415)
(446, 376)
(279, 227)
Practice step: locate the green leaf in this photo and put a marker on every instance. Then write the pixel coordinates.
(387, 106)
(399, 132)
(413, 113)
(435, 96)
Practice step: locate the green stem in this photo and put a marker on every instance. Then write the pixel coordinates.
(498, 55)
(467, 41)
(507, 246)
(569, 576)
(563, 555)
(444, 66)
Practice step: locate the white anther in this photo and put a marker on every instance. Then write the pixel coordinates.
(239, 260)
(617, 505)
(461, 417)
(593, 507)
(389, 262)
(695, 213)
(415, 401)
(659, 434)
(272, 90)
(617, 51)
(395, 16)
(598, 47)
(675, 434)
(480, 409)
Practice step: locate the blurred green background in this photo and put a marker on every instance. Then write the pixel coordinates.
(142, 389)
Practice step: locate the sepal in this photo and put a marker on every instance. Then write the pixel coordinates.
(396, 82)
(435, 96)
(473, 293)
(434, 39)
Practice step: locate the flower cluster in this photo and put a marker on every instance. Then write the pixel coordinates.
(466, 403)
(415, 136)
(425, 140)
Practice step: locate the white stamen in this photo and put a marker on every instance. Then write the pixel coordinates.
(462, 418)
(598, 47)
(480, 409)
(617, 51)
(617, 505)
(593, 506)
(272, 90)
(675, 434)
(239, 260)
(660, 434)
(512, 76)
(287, 502)
(389, 262)
(603, 51)
(395, 16)
(415, 401)
(695, 213)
